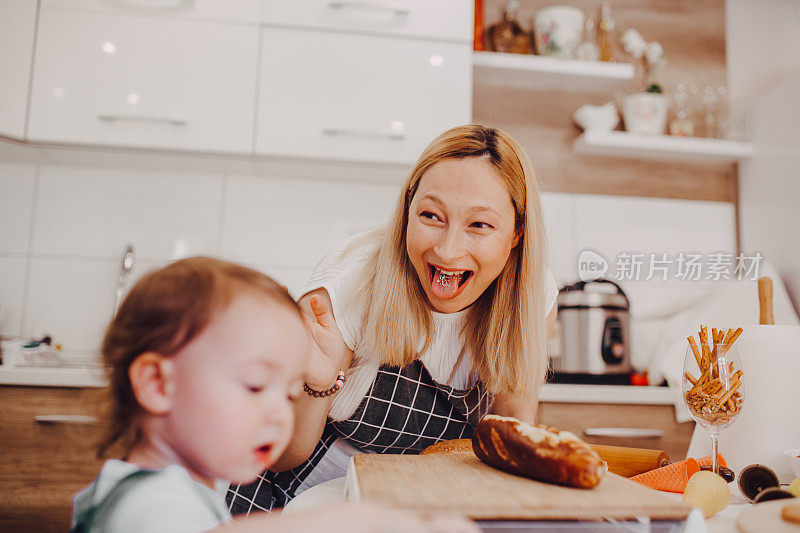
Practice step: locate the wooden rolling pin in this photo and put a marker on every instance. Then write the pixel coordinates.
(621, 460)
(765, 302)
(628, 462)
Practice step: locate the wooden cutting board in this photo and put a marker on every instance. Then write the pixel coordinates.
(463, 484)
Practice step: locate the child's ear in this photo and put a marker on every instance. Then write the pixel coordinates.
(151, 376)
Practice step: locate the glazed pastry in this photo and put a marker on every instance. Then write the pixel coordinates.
(540, 452)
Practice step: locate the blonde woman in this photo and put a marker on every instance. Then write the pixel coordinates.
(427, 325)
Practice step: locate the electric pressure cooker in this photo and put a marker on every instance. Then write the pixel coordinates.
(593, 321)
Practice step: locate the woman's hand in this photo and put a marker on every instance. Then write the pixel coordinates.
(330, 353)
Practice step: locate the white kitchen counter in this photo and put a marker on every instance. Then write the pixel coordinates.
(94, 377)
(556, 392)
(52, 377)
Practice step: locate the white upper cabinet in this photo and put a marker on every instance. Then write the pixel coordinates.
(244, 11)
(356, 80)
(342, 96)
(17, 30)
(434, 19)
(147, 82)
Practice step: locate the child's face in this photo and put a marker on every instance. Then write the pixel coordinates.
(232, 415)
(460, 231)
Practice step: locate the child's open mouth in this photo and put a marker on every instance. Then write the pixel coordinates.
(264, 454)
(446, 283)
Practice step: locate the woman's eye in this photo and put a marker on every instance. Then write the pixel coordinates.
(429, 215)
(481, 225)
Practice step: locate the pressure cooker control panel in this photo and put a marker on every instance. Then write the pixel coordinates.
(613, 343)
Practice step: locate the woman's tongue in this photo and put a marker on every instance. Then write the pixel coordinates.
(444, 285)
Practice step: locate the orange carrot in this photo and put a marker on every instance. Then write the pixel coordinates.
(670, 478)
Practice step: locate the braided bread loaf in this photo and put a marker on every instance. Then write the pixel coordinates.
(539, 452)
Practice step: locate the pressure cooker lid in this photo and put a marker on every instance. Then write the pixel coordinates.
(598, 293)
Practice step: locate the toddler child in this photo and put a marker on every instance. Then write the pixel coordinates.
(204, 359)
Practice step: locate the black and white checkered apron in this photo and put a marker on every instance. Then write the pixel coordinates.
(404, 411)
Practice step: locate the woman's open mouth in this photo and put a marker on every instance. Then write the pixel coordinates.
(264, 454)
(446, 283)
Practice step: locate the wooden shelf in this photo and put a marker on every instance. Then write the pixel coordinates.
(540, 72)
(661, 147)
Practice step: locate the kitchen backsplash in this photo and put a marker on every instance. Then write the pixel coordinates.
(64, 230)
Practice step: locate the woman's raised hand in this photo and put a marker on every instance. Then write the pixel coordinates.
(330, 353)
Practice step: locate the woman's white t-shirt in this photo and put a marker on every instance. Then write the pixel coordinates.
(339, 274)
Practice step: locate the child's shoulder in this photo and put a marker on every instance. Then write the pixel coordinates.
(125, 497)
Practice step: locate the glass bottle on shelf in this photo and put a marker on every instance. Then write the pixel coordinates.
(681, 124)
(507, 35)
(477, 39)
(695, 110)
(724, 125)
(710, 112)
(605, 35)
(588, 49)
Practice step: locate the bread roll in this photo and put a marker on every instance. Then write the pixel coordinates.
(457, 446)
(539, 452)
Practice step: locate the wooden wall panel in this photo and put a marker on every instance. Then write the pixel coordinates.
(692, 33)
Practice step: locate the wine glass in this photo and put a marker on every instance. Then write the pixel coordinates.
(713, 388)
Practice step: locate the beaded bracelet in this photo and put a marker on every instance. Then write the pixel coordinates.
(340, 379)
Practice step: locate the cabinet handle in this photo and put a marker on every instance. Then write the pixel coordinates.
(65, 419)
(393, 136)
(397, 9)
(639, 433)
(141, 118)
(163, 6)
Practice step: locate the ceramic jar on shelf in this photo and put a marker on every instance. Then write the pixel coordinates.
(645, 113)
(558, 31)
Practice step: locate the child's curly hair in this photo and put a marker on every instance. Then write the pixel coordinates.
(163, 312)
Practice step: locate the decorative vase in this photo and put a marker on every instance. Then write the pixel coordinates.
(558, 31)
(645, 113)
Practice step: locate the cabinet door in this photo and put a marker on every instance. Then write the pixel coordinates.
(440, 19)
(143, 82)
(356, 97)
(673, 437)
(17, 29)
(245, 11)
(43, 464)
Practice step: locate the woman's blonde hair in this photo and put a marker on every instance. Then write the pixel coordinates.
(505, 327)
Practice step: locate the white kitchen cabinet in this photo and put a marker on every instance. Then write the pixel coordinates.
(355, 97)
(17, 30)
(143, 82)
(442, 19)
(243, 11)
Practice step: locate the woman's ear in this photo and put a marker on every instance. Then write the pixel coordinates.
(517, 236)
(151, 377)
